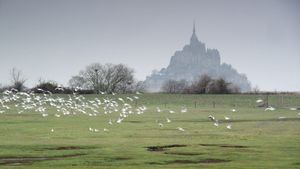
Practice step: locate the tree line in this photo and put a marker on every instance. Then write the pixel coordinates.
(95, 78)
(203, 85)
(119, 78)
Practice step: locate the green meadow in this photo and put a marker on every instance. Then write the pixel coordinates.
(258, 138)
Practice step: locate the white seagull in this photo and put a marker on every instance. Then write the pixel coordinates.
(212, 118)
(180, 129)
(228, 126)
(168, 120)
(259, 100)
(270, 108)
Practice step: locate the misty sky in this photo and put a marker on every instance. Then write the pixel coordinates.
(54, 39)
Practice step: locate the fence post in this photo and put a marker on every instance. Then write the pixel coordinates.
(267, 100)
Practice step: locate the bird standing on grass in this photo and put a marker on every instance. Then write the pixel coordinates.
(180, 129)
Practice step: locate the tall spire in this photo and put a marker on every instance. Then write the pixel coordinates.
(194, 39)
(194, 29)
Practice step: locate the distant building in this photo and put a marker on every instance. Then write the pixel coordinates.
(193, 61)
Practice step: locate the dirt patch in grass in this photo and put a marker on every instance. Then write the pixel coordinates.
(204, 161)
(121, 158)
(184, 153)
(17, 161)
(163, 148)
(112, 160)
(212, 160)
(132, 121)
(224, 145)
(68, 148)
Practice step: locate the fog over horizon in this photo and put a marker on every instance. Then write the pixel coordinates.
(54, 40)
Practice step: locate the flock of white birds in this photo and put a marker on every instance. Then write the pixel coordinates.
(78, 104)
(72, 105)
(216, 121)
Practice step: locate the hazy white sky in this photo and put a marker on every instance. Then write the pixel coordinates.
(54, 39)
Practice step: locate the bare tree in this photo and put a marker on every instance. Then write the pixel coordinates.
(173, 86)
(139, 86)
(219, 86)
(205, 84)
(117, 76)
(201, 86)
(255, 89)
(77, 82)
(108, 78)
(234, 88)
(168, 86)
(17, 79)
(93, 77)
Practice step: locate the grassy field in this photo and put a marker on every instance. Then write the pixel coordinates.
(258, 138)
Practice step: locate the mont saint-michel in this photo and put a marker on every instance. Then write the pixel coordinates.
(194, 60)
(74, 77)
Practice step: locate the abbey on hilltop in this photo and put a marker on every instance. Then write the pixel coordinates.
(193, 61)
